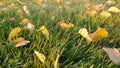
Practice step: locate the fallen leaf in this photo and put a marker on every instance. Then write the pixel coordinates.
(40, 56)
(110, 2)
(63, 25)
(105, 14)
(1, 3)
(84, 33)
(22, 43)
(56, 61)
(114, 10)
(59, 1)
(14, 33)
(91, 12)
(100, 33)
(91, 35)
(30, 27)
(44, 31)
(95, 7)
(20, 39)
(26, 10)
(12, 5)
(24, 22)
(38, 1)
(113, 54)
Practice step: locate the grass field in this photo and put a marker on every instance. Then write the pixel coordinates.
(72, 48)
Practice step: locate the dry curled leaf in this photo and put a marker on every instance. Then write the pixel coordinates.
(44, 31)
(30, 27)
(110, 2)
(113, 54)
(105, 14)
(20, 39)
(26, 10)
(62, 24)
(40, 56)
(114, 10)
(14, 33)
(22, 43)
(84, 33)
(24, 22)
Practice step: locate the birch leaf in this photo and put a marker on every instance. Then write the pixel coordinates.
(44, 31)
(40, 56)
(84, 33)
(22, 43)
(26, 10)
(113, 54)
(105, 14)
(1, 3)
(38, 1)
(91, 12)
(100, 33)
(63, 25)
(20, 39)
(14, 33)
(24, 22)
(12, 5)
(59, 1)
(114, 10)
(110, 2)
(30, 27)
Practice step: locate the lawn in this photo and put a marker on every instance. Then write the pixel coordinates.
(60, 46)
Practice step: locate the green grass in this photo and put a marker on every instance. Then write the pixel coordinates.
(73, 49)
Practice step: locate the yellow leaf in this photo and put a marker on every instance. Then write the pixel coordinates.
(114, 10)
(63, 25)
(24, 22)
(14, 33)
(26, 10)
(12, 5)
(105, 14)
(91, 12)
(44, 31)
(56, 61)
(38, 1)
(84, 33)
(1, 3)
(100, 33)
(91, 35)
(40, 56)
(113, 54)
(59, 1)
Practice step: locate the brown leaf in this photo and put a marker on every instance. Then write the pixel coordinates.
(22, 43)
(20, 39)
(113, 54)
